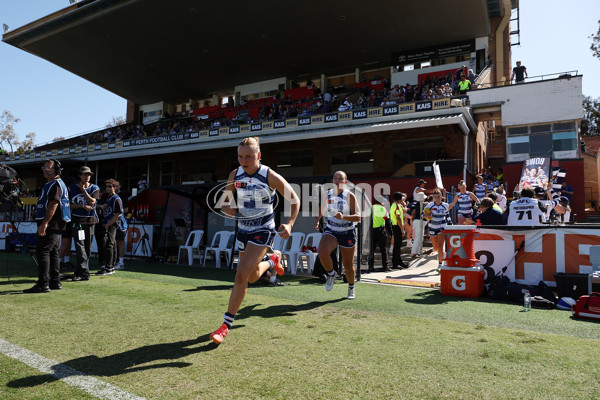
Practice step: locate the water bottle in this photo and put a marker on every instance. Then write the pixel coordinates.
(527, 301)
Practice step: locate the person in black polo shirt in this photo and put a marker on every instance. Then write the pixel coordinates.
(52, 214)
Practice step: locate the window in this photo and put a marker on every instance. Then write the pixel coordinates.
(295, 162)
(519, 130)
(564, 141)
(352, 159)
(166, 173)
(564, 126)
(411, 150)
(557, 140)
(200, 169)
(540, 145)
(518, 145)
(541, 128)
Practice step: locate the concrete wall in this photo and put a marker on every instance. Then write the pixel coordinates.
(535, 102)
(260, 87)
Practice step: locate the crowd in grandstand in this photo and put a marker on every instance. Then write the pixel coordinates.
(363, 95)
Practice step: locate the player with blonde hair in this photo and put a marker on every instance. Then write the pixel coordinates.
(255, 185)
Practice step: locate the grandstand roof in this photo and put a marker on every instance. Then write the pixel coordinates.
(155, 50)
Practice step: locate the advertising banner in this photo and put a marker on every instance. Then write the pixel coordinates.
(138, 239)
(546, 252)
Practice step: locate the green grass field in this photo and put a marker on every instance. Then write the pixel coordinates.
(145, 330)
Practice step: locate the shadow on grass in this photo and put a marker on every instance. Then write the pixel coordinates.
(435, 297)
(281, 310)
(210, 287)
(125, 362)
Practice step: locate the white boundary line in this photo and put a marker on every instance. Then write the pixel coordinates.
(68, 375)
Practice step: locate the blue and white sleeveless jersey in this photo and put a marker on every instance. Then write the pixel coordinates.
(338, 203)
(465, 203)
(480, 190)
(439, 213)
(255, 200)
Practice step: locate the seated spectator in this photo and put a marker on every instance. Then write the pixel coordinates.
(488, 215)
(346, 105)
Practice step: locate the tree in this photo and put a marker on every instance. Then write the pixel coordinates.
(29, 142)
(116, 121)
(595, 46)
(590, 124)
(8, 136)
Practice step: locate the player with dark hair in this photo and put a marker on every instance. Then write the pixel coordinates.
(342, 212)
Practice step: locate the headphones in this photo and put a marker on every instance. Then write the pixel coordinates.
(56, 164)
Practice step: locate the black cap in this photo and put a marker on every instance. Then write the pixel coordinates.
(421, 181)
(539, 190)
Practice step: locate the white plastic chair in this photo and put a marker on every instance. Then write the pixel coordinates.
(311, 240)
(192, 246)
(290, 252)
(278, 243)
(231, 250)
(219, 244)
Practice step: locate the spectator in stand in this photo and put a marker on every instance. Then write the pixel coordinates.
(448, 90)
(471, 77)
(346, 105)
(327, 100)
(410, 93)
(459, 73)
(372, 99)
(566, 191)
(519, 73)
(360, 102)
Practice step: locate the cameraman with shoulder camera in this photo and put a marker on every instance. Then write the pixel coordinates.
(52, 214)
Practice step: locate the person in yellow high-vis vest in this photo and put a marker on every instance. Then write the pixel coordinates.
(397, 219)
(464, 85)
(379, 237)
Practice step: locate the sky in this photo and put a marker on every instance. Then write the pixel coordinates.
(53, 102)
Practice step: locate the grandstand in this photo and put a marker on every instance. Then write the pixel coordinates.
(199, 76)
